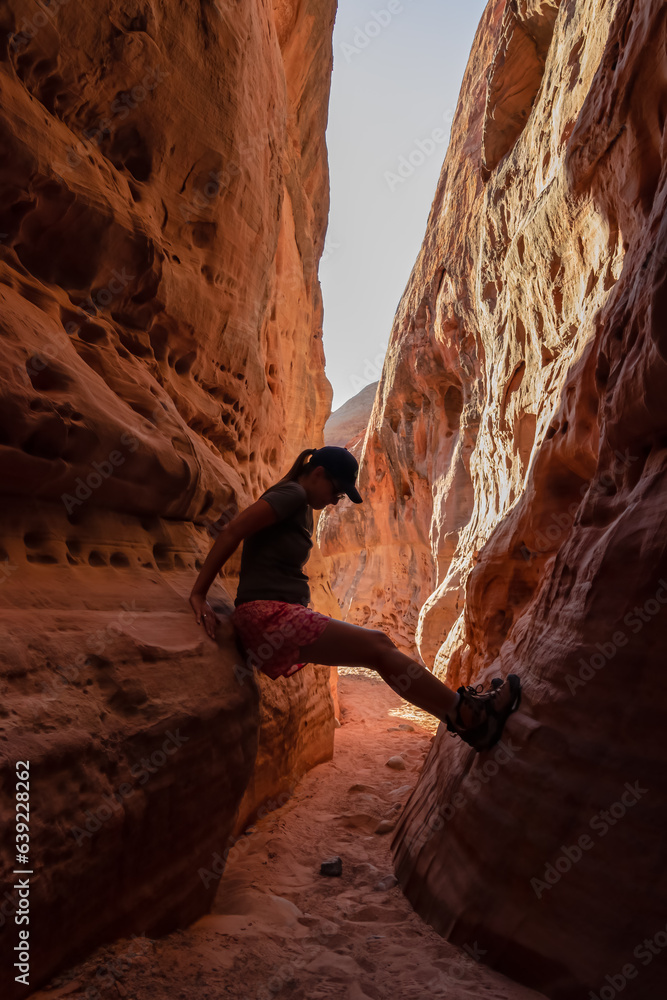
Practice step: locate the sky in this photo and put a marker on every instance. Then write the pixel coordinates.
(398, 67)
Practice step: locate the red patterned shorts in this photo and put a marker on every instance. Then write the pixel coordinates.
(272, 633)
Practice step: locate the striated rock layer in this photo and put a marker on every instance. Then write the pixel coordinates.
(516, 458)
(163, 203)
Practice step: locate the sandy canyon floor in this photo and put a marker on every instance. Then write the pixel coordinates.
(278, 927)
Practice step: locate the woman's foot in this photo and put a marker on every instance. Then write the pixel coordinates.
(479, 717)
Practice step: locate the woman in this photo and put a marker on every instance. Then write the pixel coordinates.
(282, 634)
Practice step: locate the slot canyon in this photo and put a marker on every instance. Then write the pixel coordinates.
(164, 204)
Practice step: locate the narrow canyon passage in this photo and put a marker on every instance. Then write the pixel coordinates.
(280, 929)
(164, 209)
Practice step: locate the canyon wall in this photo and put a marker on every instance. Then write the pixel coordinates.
(346, 427)
(163, 205)
(515, 468)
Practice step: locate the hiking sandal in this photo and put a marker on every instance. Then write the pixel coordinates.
(490, 709)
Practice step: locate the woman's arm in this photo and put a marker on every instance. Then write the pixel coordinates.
(259, 515)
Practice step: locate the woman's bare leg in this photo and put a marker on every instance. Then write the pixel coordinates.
(347, 645)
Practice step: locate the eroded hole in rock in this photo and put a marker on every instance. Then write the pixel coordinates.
(81, 443)
(129, 148)
(45, 376)
(184, 364)
(515, 76)
(98, 662)
(34, 539)
(92, 333)
(119, 560)
(48, 440)
(515, 381)
(158, 340)
(453, 404)
(162, 556)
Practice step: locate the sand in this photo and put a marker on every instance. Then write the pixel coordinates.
(279, 928)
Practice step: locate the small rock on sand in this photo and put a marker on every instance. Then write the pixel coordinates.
(397, 763)
(333, 866)
(388, 882)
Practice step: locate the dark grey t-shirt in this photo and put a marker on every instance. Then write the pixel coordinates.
(273, 558)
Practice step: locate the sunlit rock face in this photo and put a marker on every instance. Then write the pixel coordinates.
(346, 427)
(379, 564)
(163, 203)
(516, 457)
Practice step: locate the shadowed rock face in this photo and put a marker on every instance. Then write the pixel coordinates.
(516, 458)
(163, 202)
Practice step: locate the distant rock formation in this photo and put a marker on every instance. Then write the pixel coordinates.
(516, 470)
(346, 426)
(163, 205)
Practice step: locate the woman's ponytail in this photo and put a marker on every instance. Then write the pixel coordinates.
(299, 466)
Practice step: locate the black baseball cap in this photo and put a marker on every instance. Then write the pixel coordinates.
(342, 466)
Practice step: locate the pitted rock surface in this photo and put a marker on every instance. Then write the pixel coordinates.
(515, 466)
(163, 205)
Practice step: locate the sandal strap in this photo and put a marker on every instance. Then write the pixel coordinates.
(458, 727)
(487, 731)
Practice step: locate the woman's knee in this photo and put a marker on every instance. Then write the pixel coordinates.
(380, 646)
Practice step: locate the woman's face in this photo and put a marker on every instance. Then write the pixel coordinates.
(321, 488)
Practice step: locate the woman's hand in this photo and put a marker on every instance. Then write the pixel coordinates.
(204, 614)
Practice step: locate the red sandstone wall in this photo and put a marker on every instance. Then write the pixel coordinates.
(517, 457)
(163, 204)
